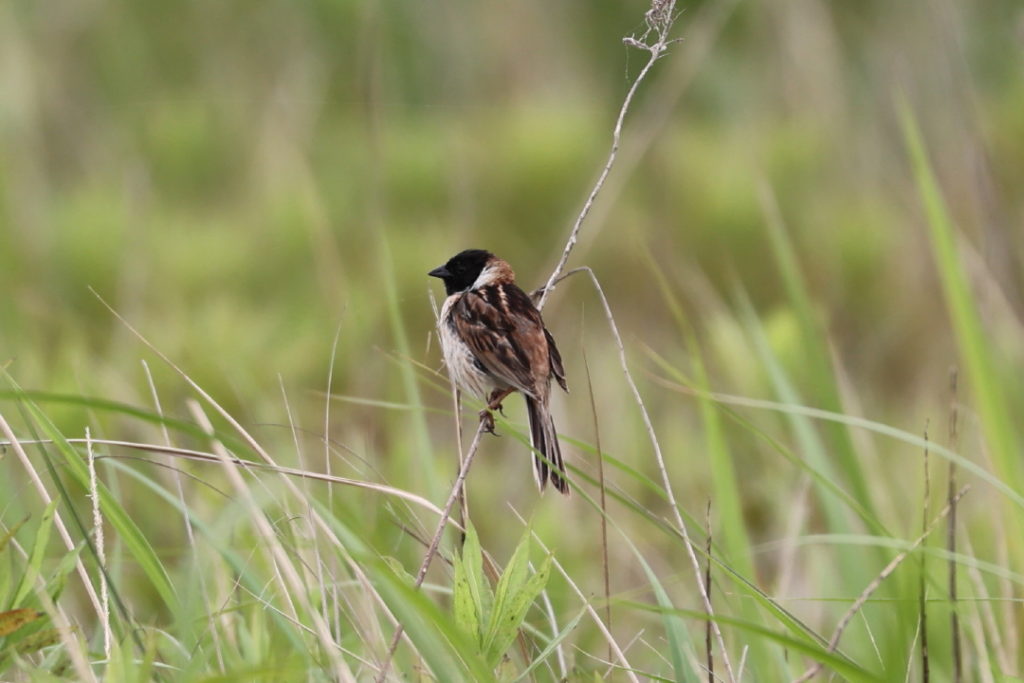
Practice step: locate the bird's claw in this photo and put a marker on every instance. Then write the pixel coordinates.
(487, 421)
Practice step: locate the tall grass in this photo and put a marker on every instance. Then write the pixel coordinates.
(793, 262)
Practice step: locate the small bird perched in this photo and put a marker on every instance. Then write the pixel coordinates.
(494, 343)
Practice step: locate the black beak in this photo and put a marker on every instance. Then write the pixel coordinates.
(440, 272)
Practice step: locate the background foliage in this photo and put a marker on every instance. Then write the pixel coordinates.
(243, 182)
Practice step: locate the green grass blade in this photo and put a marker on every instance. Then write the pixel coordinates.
(419, 455)
(510, 584)
(129, 533)
(449, 653)
(850, 670)
(986, 382)
(813, 342)
(38, 553)
(675, 629)
(553, 644)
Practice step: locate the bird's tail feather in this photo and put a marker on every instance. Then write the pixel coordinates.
(544, 439)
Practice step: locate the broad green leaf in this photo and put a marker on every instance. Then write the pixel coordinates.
(467, 617)
(509, 584)
(479, 586)
(515, 611)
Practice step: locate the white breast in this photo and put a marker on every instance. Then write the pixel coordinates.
(459, 359)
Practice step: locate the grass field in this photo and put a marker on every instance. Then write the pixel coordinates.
(216, 339)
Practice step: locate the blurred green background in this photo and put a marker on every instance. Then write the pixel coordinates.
(243, 180)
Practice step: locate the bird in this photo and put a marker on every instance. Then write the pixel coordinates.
(494, 343)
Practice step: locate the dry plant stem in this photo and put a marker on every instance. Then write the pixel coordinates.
(434, 543)
(549, 608)
(665, 481)
(200, 456)
(913, 651)
(743, 662)
(463, 500)
(833, 643)
(707, 589)
(954, 617)
(661, 26)
(922, 585)
(991, 637)
(702, 30)
(101, 551)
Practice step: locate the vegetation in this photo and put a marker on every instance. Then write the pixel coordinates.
(216, 221)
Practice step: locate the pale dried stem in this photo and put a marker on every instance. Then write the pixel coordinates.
(954, 616)
(922, 582)
(201, 456)
(101, 551)
(659, 20)
(666, 482)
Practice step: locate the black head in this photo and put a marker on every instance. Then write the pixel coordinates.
(462, 270)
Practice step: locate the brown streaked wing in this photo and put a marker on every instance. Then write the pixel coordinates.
(506, 337)
(556, 361)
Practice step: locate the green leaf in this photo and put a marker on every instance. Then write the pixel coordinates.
(5, 577)
(479, 586)
(988, 381)
(675, 629)
(35, 559)
(511, 582)
(515, 610)
(55, 586)
(834, 440)
(467, 616)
